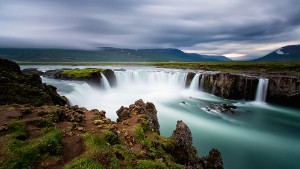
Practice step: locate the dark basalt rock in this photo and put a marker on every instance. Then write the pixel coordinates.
(223, 108)
(111, 77)
(189, 79)
(19, 88)
(230, 86)
(9, 66)
(32, 71)
(139, 107)
(184, 152)
(213, 160)
(284, 90)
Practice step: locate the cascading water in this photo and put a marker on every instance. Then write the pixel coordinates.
(153, 78)
(261, 91)
(195, 82)
(255, 137)
(104, 82)
(202, 83)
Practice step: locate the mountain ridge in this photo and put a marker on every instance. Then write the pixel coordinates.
(284, 54)
(106, 54)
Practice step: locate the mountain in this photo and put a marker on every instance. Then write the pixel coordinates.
(287, 53)
(104, 54)
(219, 58)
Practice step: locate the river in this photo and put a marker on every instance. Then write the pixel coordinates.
(258, 136)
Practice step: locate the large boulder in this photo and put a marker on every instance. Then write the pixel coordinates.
(139, 107)
(184, 152)
(213, 160)
(16, 87)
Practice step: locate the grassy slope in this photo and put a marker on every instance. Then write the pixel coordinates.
(263, 67)
(80, 73)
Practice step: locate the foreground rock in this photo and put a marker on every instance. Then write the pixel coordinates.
(77, 137)
(138, 108)
(18, 88)
(184, 152)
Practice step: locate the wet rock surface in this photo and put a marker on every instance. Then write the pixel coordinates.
(184, 152)
(223, 108)
(282, 89)
(213, 160)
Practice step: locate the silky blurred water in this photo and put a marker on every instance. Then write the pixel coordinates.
(257, 136)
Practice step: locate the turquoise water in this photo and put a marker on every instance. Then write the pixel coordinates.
(257, 136)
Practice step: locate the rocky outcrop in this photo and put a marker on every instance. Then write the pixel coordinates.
(111, 77)
(189, 79)
(32, 71)
(284, 90)
(213, 160)
(90, 76)
(104, 143)
(139, 107)
(230, 86)
(222, 108)
(184, 152)
(19, 88)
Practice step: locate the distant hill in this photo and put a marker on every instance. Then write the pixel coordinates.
(105, 54)
(287, 53)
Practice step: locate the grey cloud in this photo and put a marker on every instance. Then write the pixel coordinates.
(189, 25)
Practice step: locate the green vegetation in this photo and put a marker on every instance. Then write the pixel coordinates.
(23, 152)
(80, 73)
(147, 164)
(239, 67)
(111, 137)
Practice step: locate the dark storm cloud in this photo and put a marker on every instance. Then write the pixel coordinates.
(246, 27)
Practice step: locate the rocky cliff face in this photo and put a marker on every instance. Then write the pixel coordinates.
(283, 90)
(230, 86)
(19, 88)
(90, 76)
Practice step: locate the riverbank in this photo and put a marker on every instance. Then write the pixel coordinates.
(38, 130)
(282, 68)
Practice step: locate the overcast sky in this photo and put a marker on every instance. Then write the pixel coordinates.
(236, 28)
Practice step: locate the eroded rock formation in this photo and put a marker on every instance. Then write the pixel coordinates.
(139, 107)
(184, 152)
(19, 88)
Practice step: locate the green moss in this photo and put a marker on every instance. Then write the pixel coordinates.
(24, 153)
(80, 73)
(44, 123)
(84, 163)
(139, 131)
(17, 130)
(111, 137)
(148, 164)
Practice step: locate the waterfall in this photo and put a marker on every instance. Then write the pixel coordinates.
(261, 91)
(104, 82)
(152, 78)
(202, 83)
(195, 82)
